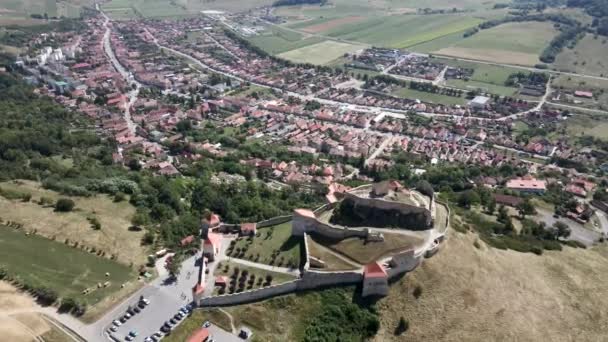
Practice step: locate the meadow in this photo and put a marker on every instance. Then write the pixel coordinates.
(276, 40)
(55, 265)
(320, 53)
(428, 97)
(401, 31)
(587, 57)
(512, 43)
(114, 237)
(271, 240)
(489, 78)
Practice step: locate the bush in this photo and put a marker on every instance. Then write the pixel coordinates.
(64, 205)
(402, 326)
(417, 291)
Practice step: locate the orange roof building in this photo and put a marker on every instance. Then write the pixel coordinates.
(375, 280)
(199, 335)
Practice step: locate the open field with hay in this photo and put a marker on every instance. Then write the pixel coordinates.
(276, 40)
(485, 294)
(512, 43)
(66, 269)
(587, 57)
(489, 78)
(320, 53)
(114, 237)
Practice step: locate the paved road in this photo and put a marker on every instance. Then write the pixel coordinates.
(132, 95)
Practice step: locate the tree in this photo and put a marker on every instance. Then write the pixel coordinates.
(468, 198)
(562, 229)
(64, 205)
(491, 206)
(402, 326)
(425, 188)
(526, 208)
(147, 239)
(175, 266)
(503, 214)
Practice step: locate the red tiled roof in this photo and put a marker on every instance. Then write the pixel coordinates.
(374, 270)
(200, 335)
(213, 239)
(248, 227)
(305, 212)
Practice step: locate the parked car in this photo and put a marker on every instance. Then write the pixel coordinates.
(206, 324)
(133, 333)
(148, 339)
(123, 319)
(146, 301)
(165, 329)
(173, 321)
(128, 315)
(114, 328)
(136, 309)
(116, 323)
(128, 338)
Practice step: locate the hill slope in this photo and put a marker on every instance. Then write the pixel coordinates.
(471, 294)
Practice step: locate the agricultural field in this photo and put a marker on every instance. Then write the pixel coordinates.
(593, 125)
(512, 43)
(276, 40)
(66, 269)
(270, 246)
(129, 9)
(114, 237)
(587, 57)
(320, 53)
(489, 78)
(527, 297)
(400, 31)
(13, 11)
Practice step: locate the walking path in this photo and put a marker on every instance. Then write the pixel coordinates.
(285, 270)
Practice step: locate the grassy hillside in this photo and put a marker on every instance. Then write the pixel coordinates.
(484, 294)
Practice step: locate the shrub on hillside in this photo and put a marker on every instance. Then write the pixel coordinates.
(64, 205)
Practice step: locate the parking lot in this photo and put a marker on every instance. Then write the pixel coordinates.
(165, 299)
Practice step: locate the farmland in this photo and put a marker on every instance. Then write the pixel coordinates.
(389, 31)
(587, 57)
(513, 43)
(486, 77)
(13, 11)
(276, 40)
(320, 53)
(52, 264)
(428, 97)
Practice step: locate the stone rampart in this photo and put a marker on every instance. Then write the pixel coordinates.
(420, 213)
(274, 221)
(251, 295)
(308, 224)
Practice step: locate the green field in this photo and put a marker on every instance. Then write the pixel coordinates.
(42, 262)
(428, 97)
(587, 57)
(128, 9)
(512, 43)
(403, 31)
(489, 78)
(276, 40)
(270, 240)
(320, 53)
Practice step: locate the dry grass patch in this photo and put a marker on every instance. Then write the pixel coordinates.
(363, 252)
(332, 261)
(114, 236)
(485, 294)
(333, 23)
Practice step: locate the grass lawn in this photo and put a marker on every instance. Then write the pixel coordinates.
(579, 125)
(513, 43)
(276, 40)
(68, 270)
(114, 236)
(489, 78)
(332, 262)
(320, 53)
(194, 321)
(269, 241)
(587, 57)
(428, 97)
(361, 252)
